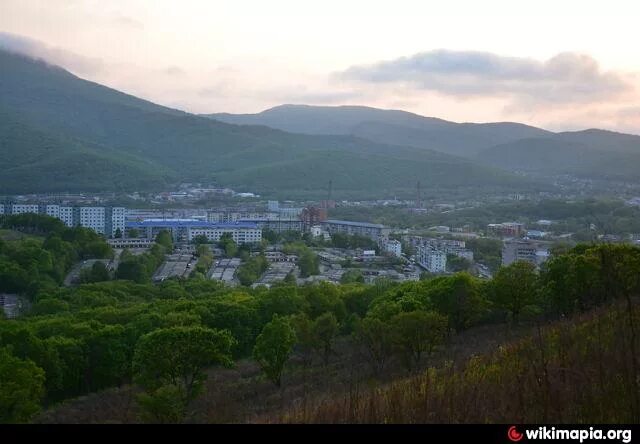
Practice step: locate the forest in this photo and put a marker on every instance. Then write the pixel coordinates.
(579, 312)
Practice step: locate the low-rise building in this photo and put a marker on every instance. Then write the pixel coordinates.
(533, 252)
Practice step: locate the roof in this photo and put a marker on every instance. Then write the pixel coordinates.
(353, 224)
(187, 223)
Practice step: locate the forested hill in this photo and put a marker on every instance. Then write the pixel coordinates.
(62, 132)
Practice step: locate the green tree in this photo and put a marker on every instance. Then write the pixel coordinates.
(200, 239)
(164, 405)
(273, 347)
(351, 276)
(417, 332)
(21, 388)
(134, 233)
(376, 338)
(308, 263)
(97, 273)
(177, 356)
(164, 239)
(515, 287)
(118, 233)
(325, 329)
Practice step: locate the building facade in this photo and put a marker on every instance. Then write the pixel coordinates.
(103, 220)
(434, 261)
(524, 250)
(377, 232)
(186, 230)
(394, 247)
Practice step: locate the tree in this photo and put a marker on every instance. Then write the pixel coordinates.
(164, 239)
(308, 263)
(200, 239)
(177, 356)
(351, 276)
(273, 347)
(118, 233)
(97, 273)
(21, 388)
(416, 332)
(325, 329)
(376, 338)
(164, 405)
(515, 287)
(134, 233)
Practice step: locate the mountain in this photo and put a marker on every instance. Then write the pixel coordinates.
(387, 126)
(593, 154)
(510, 146)
(60, 132)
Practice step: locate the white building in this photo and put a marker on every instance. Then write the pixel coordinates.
(241, 235)
(114, 221)
(394, 247)
(92, 217)
(434, 261)
(24, 208)
(65, 214)
(524, 250)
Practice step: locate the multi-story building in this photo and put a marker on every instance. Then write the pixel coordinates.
(24, 208)
(103, 220)
(524, 250)
(92, 217)
(114, 221)
(433, 260)
(185, 230)
(394, 247)
(377, 232)
(65, 214)
(507, 229)
(448, 246)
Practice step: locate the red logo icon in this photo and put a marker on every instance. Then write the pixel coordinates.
(513, 434)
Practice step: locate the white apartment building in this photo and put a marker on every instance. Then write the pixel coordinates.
(394, 247)
(241, 235)
(92, 217)
(114, 220)
(65, 214)
(434, 261)
(103, 220)
(524, 250)
(24, 208)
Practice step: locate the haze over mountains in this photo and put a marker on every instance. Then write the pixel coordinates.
(62, 133)
(511, 146)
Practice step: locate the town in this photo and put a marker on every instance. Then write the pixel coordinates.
(343, 250)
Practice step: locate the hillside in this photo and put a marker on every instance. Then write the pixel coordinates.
(577, 154)
(85, 135)
(511, 146)
(387, 126)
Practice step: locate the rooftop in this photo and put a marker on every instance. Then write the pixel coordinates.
(355, 224)
(187, 223)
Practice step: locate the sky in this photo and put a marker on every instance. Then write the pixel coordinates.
(561, 65)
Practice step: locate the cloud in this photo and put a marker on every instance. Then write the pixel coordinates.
(175, 71)
(33, 48)
(565, 78)
(125, 21)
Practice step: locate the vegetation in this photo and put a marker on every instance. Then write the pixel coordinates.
(50, 136)
(252, 269)
(163, 337)
(273, 347)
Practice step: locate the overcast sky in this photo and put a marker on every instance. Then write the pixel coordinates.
(557, 64)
